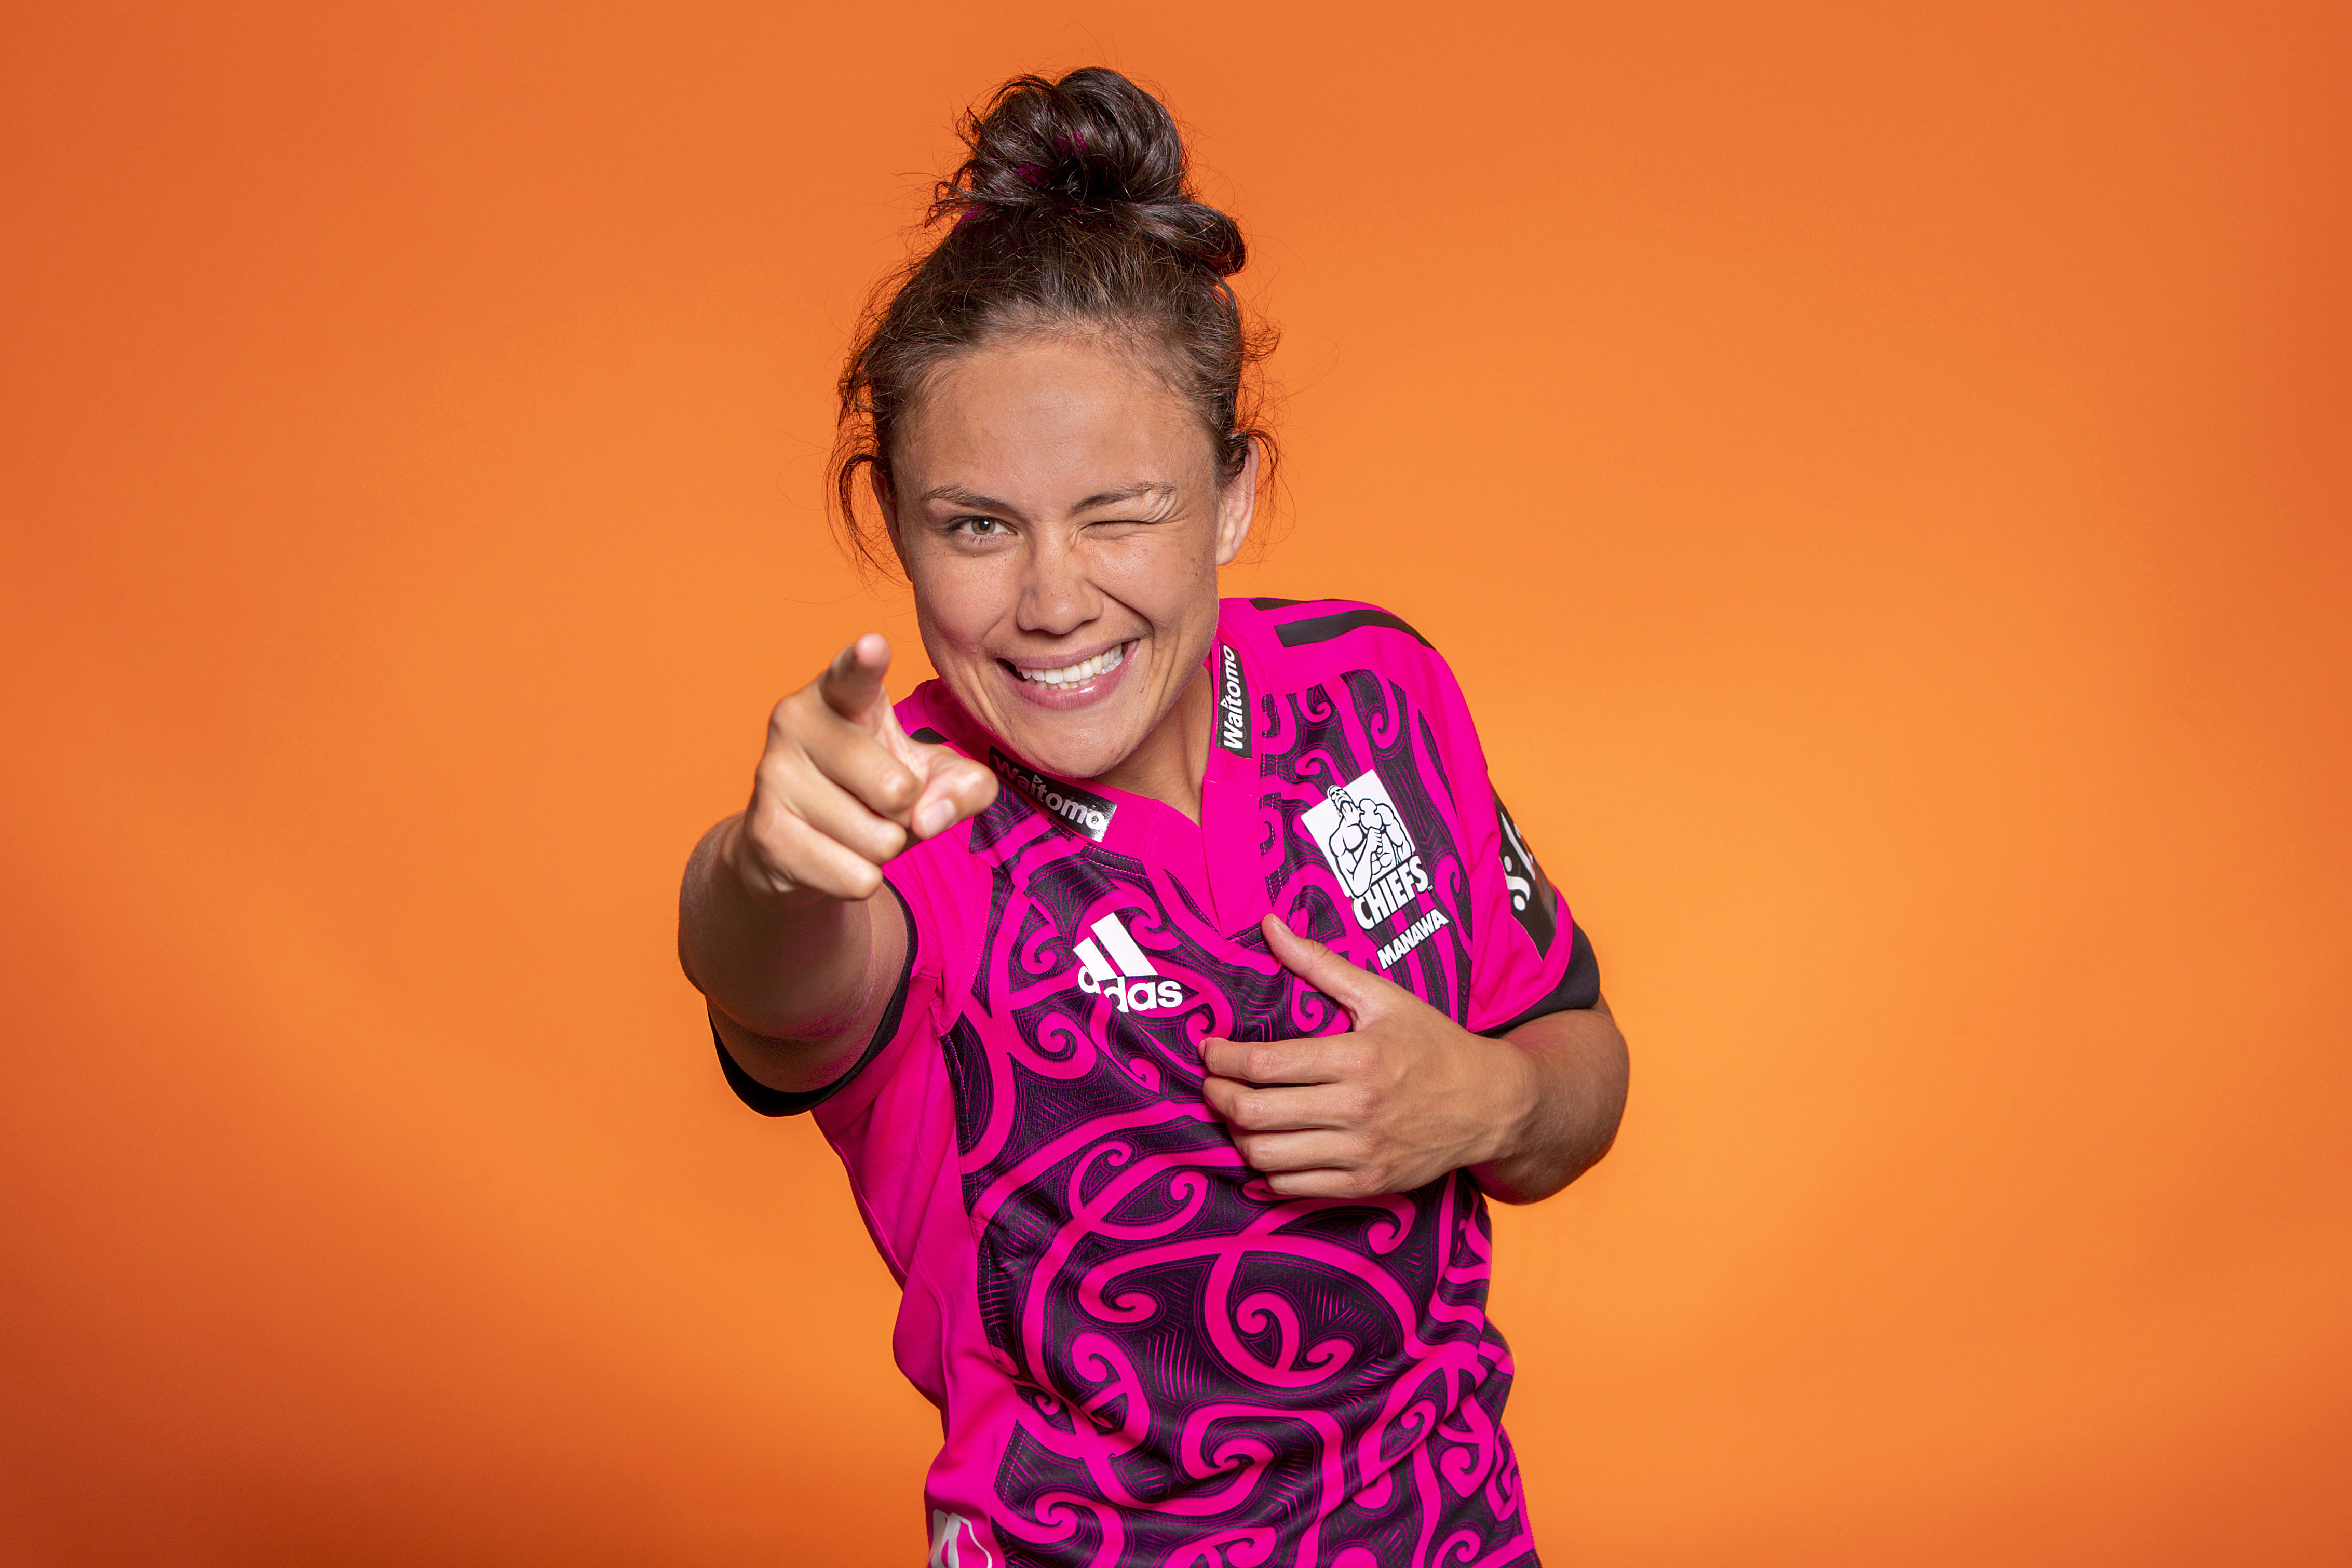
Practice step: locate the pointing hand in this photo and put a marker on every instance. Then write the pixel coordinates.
(842, 788)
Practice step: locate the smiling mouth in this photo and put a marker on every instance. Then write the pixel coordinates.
(1076, 674)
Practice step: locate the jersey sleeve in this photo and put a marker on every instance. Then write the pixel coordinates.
(912, 1001)
(925, 882)
(1528, 956)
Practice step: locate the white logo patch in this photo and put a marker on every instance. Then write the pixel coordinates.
(1110, 965)
(1359, 830)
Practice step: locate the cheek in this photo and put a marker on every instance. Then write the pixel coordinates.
(1167, 578)
(956, 601)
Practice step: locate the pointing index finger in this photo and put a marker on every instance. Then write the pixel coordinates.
(852, 684)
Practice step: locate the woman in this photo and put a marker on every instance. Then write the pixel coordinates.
(1166, 973)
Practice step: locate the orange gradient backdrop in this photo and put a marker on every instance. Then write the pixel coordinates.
(1881, 475)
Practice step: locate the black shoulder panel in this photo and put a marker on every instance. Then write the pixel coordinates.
(1579, 987)
(1323, 629)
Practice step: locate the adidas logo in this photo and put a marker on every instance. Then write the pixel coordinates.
(1110, 965)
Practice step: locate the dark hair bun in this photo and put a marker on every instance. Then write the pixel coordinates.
(1092, 149)
(1072, 214)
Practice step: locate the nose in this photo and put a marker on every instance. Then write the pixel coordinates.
(1057, 597)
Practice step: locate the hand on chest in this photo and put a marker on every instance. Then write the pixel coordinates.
(1347, 832)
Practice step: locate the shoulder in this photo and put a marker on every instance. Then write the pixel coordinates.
(1310, 640)
(1299, 643)
(1312, 623)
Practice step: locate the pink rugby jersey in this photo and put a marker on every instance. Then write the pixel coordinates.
(1141, 1355)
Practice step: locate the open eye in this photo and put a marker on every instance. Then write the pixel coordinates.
(977, 527)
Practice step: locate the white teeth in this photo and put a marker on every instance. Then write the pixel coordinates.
(1072, 675)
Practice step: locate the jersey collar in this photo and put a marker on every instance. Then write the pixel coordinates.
(1220, 848)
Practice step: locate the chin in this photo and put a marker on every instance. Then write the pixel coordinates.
(1069, 756)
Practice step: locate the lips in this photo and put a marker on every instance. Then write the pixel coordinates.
(1078, 674)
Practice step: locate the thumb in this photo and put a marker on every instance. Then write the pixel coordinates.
(1359, 992)
(852, 684)
(954, 787)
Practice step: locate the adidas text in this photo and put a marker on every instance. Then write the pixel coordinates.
(1111, 964)
(1134, 997)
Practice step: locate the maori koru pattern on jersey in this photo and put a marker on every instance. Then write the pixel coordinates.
(1211, 1374)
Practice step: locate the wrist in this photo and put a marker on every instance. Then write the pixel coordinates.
(1517, 1086)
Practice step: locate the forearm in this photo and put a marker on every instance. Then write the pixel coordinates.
(783, 968)
(1572, 1070)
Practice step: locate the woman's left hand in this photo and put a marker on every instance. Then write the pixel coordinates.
(1404, 1096)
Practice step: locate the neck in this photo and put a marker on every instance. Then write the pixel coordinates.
(1170, 765)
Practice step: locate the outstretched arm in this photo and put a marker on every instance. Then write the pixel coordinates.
(784, 922)
(1408, 1094)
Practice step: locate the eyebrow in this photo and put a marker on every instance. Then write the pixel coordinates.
(957, 496)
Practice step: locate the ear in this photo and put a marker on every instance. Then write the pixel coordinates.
(1236, 505)
(885, 501)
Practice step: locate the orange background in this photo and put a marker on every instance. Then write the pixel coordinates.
(1882, 477)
